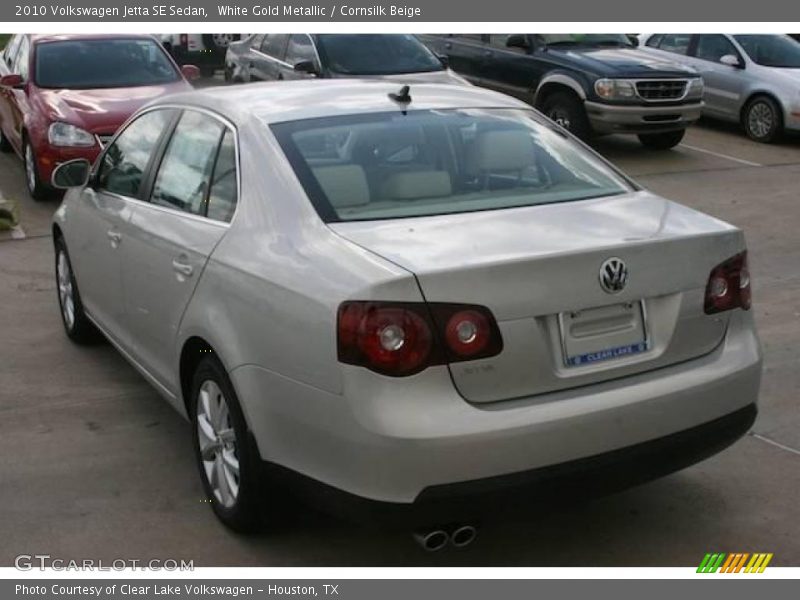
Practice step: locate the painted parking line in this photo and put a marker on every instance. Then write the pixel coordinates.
(742, 161)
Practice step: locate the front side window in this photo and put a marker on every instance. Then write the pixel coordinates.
(22, 60)
(102, 63)
(274, 45)
(184, 176)
(393, 165)
(123, 165)
(11, 50)
(714, 47)
(771, 50)
(376, 54)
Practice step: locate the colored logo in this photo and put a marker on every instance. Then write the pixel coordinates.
(738, 562)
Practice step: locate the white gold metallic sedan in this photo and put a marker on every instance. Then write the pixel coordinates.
(405, 298)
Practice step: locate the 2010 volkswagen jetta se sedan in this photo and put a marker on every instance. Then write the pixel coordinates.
(404, 297)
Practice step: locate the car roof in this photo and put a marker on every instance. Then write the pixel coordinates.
(274, 102)
(59, 37)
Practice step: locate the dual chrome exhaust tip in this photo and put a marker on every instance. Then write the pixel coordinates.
(437, 539)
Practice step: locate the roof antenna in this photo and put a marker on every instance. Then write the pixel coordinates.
(403, 96)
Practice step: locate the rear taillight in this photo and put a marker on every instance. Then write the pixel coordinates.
(404, 338)
(728, 285)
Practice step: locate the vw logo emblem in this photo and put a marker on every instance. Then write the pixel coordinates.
(613, 275)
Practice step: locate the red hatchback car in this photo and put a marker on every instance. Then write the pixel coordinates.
(63, 96)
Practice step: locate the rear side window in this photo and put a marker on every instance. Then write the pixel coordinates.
(675, 42)
(223, 196)
(123, 165)
(184, 176)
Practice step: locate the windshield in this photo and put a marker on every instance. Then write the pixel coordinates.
(585, 39)
(366, 54)
(88, 64)
(392, 165)
(771, 50)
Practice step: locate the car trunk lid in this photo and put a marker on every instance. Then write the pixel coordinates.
(538, 270)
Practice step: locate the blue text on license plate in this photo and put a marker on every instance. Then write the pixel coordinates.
(608, 354)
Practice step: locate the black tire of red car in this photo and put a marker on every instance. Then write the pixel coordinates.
(662, 141)
(36, 187)
(5, 145)
(80, 330)
(246, 515)
(762, 120)
(566, 109)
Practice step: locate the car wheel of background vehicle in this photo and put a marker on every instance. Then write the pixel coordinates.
(219, 41)
(762, 120)
(229, 465)
(77, 325)
(5, 145)
(662, 141)
(566, 109)
(35, 186)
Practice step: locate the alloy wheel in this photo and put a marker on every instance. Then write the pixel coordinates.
(217, 441)
(760, 119)
(223, 40)
(65, 290)
(560, 116)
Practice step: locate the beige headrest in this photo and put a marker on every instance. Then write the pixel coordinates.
(410, 185)
(344, 185)
(501, 151)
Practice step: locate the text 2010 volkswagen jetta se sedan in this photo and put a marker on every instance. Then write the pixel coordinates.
(405, 297)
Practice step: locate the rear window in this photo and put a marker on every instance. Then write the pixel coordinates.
(99, 63)
(771, 50)
(376, 54)
(394, 165)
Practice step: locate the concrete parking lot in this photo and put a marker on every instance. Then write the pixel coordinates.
(93, 464)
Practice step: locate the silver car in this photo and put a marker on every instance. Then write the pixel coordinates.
(752, 79)
(403, 296)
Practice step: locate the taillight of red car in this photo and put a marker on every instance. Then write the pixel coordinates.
(728, 285)
(403, 338)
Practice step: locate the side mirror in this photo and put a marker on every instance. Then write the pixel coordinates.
(190, 72)
(730, 60)
(444, 59)
(71, 174)
(518, 40)
(306, 66)
(633, 39)
(12, 81)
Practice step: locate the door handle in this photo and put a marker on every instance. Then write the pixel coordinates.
(182, 268)
(115, 237)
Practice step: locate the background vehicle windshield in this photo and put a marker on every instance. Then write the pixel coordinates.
(585, 39)
(771, 50)
(87, 64)
(365, 54)
(391, 165)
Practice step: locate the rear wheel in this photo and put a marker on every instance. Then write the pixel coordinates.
(76, 324)
(567, 110)
(36, 187)
(662, 141)
(219, 41)
(229, 466)
(762, 120)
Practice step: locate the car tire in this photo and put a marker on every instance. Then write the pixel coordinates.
(762, 120)
(229, 464)
(662, 141)
(219, 41)
(566, 109)
(5, 145)
(77, 325)
(36, 187)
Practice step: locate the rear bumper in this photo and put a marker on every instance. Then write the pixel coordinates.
(396, 441)
(564, 483)
(607, 118)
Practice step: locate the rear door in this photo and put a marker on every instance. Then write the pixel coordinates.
(268, 58)
(725, 86)
(191, 199)
(509, 70)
